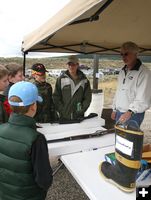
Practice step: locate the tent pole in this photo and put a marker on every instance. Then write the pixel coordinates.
(95, 72)
(24, 63)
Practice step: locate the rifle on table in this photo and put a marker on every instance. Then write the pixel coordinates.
(78, 120)
(71, 121)
(84, 136)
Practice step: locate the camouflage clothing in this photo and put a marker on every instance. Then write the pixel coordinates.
(45, 110)
(72, 97)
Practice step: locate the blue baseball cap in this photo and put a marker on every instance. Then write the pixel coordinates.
(26, 91)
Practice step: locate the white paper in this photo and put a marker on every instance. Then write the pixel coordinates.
(124, 145)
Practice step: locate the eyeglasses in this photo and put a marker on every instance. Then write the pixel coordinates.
(71, 64)
(125, 54)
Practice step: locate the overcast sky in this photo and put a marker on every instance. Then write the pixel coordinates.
(20, 17)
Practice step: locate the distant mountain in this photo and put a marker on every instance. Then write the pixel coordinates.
(105, 61)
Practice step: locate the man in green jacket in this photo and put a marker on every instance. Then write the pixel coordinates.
(72, 95)
(25, 172)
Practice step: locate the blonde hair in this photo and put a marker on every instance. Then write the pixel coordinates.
(13, 68)
(3, 71)
(130, 46)
(18, 109)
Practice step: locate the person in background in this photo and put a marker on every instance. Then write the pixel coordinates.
(3, 104)
(15, 75)
(72, 95)
(45, 110)
(133, 96)
(25, 171)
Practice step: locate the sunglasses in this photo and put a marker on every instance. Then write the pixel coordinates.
(125, 54)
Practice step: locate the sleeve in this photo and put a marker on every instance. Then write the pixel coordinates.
(1, 113)
(142, 100)
(114, 103)
(40, 161)
(51, 99)
(57, 96)
(87, 96)
(52, 105)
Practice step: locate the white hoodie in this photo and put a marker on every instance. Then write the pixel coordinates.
(134, 90)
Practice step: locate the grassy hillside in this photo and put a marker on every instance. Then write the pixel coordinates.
(60, 62)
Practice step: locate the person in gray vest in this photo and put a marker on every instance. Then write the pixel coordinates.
(25, 171)
(72, 95)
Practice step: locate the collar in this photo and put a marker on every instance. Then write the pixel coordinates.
(136, 66)
(80, 74)
(40, 83)
(11, 83)
(22, 120)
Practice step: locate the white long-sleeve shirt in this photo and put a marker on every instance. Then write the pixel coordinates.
(133, 90)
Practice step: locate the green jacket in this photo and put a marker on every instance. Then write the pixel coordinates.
(45, 110)
(16, 171)
(3, 114)
(72, 98)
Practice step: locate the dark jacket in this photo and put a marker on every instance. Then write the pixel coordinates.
(72, 98)
(19, 177)
(46, 109)
(6, 91)
(3, 113)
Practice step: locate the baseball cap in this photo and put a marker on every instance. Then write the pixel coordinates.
(73, 59)
(26, 91)
(39, 69)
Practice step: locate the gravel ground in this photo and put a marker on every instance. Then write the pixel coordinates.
(66, 188)
(146, 127)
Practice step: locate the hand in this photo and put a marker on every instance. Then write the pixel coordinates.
(79, 114)
(126, 116)
(113, 115)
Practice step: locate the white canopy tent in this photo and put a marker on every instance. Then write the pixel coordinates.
(94, 26)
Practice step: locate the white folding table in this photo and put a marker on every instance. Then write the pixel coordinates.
(84, 168)
(86, 127)
(56, 131)
(84, 164)
(70, 147)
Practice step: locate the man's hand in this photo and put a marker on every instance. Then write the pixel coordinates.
(113, 115)
(79, 114)
(126, 116)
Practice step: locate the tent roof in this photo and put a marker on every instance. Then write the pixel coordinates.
(117, 22)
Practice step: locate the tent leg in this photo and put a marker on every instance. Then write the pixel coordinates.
(24, 63)
(95, 72)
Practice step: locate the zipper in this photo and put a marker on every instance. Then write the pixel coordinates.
(125, 71)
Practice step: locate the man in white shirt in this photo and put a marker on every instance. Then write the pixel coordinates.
(133, 96)
(132, 99)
